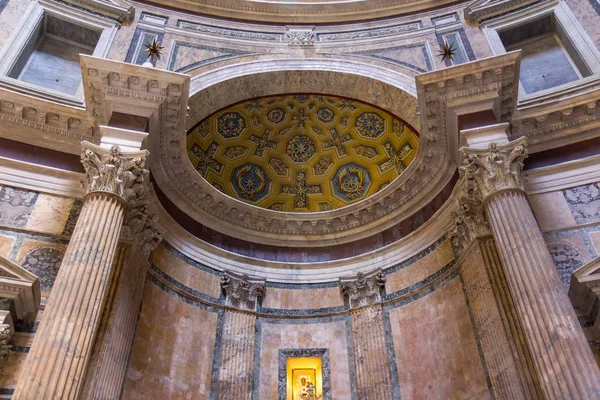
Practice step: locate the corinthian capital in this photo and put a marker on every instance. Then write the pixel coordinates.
(241, 291)
(469, 220)
(496, 168)
(110, 170)
(363, 290)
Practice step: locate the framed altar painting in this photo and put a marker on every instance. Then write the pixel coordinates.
(302, 378)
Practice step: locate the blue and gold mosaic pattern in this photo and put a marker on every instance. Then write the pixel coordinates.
(301, 153)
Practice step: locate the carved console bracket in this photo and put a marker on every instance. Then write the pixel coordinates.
(363, 290)
(22, 288)
(241, 291)
(300, 35)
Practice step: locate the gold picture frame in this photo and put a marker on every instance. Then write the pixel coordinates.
(297, 375)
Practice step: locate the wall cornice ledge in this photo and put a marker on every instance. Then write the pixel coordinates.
(482, 9)
(40, 178)
(564, 175)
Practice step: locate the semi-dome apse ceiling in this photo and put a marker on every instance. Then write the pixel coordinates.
(301, 153)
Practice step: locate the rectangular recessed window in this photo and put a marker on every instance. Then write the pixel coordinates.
(548, 58)
(50, 58)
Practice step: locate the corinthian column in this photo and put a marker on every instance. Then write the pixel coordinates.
(561, 355)
(62, 347)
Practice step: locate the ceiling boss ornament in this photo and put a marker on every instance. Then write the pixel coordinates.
(448, 51)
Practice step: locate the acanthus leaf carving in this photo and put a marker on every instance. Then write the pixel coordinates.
(5, 347)
(113, 171)
(140, 226)
(470, 221)
(241, 291)
(497, 168)
(363, 290)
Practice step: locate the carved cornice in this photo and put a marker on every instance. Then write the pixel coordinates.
(44, 123)
(363, 290)
(21, 286)
(111, 171)
(120, 10)
(482, 9)
(496, 168)
(241, 291)
(470, 222)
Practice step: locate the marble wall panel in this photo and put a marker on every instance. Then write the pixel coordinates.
(552, 211)
(330, 333)
(72, 218)
(16, 206)
(190, 275)
(50, 214)
(435, 347)
(42, 259)
(10, 15)
(569, 254)
(587, 13)
(420, 269)
(303, 298)
(584, 202)
(6, 245)
(172, 354)
(11, 370)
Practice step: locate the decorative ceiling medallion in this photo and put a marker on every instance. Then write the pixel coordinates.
(301, 153)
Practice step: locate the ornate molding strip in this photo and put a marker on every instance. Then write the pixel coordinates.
(371, 33)
(230, 33)
(43, 123)
(363, 290)
(241, 291)
(120, 10)
(470, 222)
(483, 9)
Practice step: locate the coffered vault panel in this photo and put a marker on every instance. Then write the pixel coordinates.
(301, 153)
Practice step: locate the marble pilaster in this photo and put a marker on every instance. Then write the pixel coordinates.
(373, 373)
(561, 356)
(238, 336)
(62, 348)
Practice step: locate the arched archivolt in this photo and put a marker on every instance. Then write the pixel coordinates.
(219, 85)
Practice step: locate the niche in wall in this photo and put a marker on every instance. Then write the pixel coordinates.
(548, 57)
(50, 58)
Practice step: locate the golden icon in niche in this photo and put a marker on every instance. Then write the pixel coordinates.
(304, 379)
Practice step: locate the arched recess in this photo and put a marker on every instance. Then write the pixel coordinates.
(219, 85)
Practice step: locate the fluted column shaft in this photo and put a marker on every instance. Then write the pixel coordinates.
(503, 346)
(560, 351)
(62, 344)
(561, 355)
(62, 347)
(106, 372)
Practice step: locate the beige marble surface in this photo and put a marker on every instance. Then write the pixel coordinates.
(49, 214)
(420, 269)
(189, 275)
(436, 352)
(6, 244)
(552, 211)
(173, 350)
(302, 299)
(331, 335)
